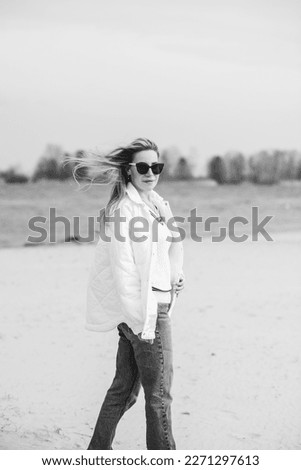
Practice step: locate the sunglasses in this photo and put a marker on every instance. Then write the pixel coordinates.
(143, 168)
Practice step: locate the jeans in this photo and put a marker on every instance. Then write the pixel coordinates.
(140, 363)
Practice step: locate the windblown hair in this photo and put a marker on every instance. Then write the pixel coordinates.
(110, 168)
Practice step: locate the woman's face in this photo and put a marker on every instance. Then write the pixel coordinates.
(148, 181)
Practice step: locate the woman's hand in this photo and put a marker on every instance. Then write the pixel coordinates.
(180, 284)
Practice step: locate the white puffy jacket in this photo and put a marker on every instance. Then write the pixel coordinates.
(119, 287)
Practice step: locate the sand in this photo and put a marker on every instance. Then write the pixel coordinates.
(236, 334)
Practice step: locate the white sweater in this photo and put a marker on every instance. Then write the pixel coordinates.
(161, 267)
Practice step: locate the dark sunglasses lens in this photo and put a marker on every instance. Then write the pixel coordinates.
(157, 168)
(142, 168)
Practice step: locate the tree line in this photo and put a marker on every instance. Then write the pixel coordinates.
(264, 167)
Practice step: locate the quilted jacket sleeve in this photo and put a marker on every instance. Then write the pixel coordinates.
(125, 272)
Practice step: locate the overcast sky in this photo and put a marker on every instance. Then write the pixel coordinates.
(213, 75)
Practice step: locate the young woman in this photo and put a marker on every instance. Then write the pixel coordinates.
(138, 269)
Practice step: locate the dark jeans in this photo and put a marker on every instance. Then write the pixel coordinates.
(140, 363)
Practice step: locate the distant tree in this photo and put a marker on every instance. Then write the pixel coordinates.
(294, 162)
(50, 164)
(46, 168)
(264, 167)
(13, 176)
(54, 152)
(169, 157)
(164, 158)
(299, 170)
(235, 166)
(281, 161)
(288, 163)
(217, 169)
(183, 170)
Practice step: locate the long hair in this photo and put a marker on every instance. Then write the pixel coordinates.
(111, 168)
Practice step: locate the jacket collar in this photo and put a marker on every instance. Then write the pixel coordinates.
(135, 196)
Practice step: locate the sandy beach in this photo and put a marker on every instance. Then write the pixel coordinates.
(236, 333)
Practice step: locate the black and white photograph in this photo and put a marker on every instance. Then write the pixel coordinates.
(150, 226)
